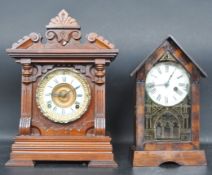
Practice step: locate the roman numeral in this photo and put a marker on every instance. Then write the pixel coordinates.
(153, 75)
(167, 68)
(159, 70)
(186, 87)
(166, 100)
(150, 85)
(63, 111)
(179, 92)
(77, 87)
(158, 97)
(179, 76)
(64, 79)
(152, 91)
(55, 108)
(174, 98)
(181, 84)
(56, 81)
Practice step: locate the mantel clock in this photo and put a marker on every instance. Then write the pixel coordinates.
(167, 108)
(63, 96)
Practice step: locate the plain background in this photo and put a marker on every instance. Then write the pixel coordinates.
(136, 27)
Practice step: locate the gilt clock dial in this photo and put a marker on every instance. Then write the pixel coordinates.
(63, 95)
(167, 83)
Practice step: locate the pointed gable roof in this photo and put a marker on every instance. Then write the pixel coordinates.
(170, 39)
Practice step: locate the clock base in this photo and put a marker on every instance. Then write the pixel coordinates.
(156, 158)
(21, 163)
(28, 149)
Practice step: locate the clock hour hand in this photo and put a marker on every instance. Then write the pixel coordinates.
(55, 94)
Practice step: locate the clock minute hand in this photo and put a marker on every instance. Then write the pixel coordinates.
(67, 92)
(167, 83)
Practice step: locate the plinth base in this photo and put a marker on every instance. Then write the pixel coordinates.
(156, 158)
(28, 149)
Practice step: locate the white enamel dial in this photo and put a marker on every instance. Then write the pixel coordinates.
(63, 95)
(167, 83)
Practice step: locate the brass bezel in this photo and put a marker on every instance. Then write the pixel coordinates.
(50, 114)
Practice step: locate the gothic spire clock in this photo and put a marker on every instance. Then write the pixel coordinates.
(63, 96)
(167, 108)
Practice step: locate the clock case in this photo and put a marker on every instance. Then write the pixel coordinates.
(41, 139)
(184, 150)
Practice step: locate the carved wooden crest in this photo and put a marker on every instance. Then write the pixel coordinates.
(63, 20)
(63, 31)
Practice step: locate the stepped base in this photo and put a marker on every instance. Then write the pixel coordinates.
(28, 149)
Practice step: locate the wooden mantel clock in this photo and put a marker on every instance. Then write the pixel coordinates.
(168, 108)
(63, 96)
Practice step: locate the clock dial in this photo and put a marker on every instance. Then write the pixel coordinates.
(63, 95)
(167, 83)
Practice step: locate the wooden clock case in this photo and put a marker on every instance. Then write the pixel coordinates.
(154, 153)
(41, 139)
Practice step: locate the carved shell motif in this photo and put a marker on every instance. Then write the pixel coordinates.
(63, 20)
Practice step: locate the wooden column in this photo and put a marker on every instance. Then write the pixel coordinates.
(26, 98)
(195, 113)
(139, 113)
(100, 97)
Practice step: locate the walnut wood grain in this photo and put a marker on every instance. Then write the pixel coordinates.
(80, 140)
(154, 153)
(156, 158)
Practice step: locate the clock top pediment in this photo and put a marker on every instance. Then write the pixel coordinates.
(62, 38)
(169, 50)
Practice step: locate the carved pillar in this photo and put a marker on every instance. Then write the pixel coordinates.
(26, 98)
(100, 97)
(140, 113)
(195, 113)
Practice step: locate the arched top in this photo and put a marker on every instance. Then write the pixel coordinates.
(162, 123)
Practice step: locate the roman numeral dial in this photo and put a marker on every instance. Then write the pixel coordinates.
(63, 95)
(167, 83)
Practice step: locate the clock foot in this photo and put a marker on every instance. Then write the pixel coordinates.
(21, 163)
(102, 164)
(156, 158)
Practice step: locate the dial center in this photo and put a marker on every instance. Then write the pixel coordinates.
(63, 95)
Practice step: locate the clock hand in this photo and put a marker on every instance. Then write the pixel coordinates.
(58, 94)
(167, 83)
(67, 92)
(61, 94)
(55, 94)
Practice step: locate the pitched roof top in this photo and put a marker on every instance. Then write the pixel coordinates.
(170, 38)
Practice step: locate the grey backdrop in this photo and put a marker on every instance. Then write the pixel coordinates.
(136, 27)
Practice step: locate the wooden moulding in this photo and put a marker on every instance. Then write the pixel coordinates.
(156, 158)
(28, 149)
